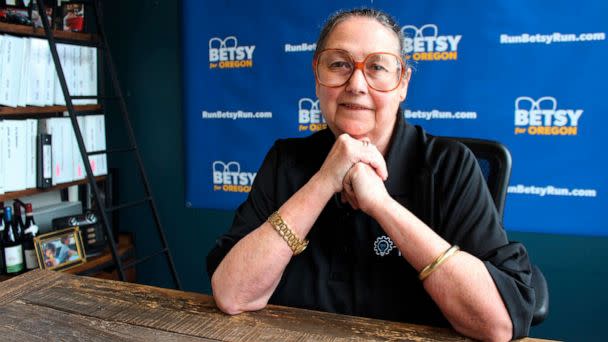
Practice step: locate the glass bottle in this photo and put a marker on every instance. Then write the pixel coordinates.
(13, 249)
(18, 219)
(29, 233)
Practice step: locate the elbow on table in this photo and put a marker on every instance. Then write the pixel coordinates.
(229, 304)
(499, 335)
(226, 306)
(499, 331)
(232, 307)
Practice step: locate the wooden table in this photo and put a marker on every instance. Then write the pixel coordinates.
(52, 306)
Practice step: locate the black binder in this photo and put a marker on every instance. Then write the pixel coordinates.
(44, 161)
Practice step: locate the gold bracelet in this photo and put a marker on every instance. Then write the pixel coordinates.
(440, 260)
(296, 245)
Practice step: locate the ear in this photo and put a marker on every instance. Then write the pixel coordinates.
(404, 84)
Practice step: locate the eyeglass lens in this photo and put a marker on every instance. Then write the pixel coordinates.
(382, 70)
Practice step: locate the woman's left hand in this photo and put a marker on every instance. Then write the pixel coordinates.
(363, 188)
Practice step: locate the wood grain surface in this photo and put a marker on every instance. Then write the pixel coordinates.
(50, 306)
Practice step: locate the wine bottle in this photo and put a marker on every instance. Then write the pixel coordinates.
(18, 220)
(29, 233)
(13, 250)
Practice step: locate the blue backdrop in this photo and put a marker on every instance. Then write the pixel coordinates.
(523, 73)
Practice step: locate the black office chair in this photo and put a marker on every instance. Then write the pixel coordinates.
(494, 160)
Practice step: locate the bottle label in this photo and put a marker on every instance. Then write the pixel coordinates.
(14, 259)
(31, 262)
(33, 229)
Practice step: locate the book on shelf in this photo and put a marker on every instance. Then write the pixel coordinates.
(61, 149)
(12, 56)
(30, 153)
(24, 75)
(79, 170)
(98, 143)
(2, 157)
(14, 145)
(17, 154)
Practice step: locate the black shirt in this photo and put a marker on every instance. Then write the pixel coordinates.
(351, 266)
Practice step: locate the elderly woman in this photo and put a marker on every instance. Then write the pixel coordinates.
(373, 217)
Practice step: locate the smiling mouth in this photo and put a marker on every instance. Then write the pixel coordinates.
(354, 106)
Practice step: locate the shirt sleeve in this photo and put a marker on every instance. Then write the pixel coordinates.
(469, 219)
(250, 214)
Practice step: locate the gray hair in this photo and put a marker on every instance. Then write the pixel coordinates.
(382, 17)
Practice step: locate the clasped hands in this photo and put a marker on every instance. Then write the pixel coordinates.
(357, 170)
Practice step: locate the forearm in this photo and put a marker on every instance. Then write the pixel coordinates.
(462, 287)
(250, 272)
(466, 294)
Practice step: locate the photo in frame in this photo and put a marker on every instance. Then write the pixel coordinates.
(73, 16)
(60, 250)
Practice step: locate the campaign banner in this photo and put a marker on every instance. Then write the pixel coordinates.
(522, 73)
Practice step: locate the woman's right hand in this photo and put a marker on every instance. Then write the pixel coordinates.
(345, 153)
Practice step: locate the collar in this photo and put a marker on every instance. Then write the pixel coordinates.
(404, 157)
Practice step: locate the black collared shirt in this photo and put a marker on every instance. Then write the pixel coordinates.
(351, 266)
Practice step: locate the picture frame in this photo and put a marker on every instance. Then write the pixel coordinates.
(73, 17)
(60, 250)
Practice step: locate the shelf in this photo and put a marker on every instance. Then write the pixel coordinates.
(30, 110)
(95, 266)
(29, 192)
(39, 32)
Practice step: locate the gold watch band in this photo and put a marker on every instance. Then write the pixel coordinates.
(296, 245)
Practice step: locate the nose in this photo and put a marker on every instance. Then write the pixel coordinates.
(357, 83)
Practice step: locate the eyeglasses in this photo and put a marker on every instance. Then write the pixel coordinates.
(383, 71)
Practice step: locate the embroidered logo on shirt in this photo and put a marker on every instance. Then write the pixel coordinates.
(383, 245)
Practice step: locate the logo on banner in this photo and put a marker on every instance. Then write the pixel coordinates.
(228, 177)
(542, 117)
(227, 54)
(425, 43)
(309, 116)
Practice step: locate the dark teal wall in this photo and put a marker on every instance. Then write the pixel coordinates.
(145, 40)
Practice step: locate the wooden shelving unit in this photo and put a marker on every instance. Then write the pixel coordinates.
(29, 192)
(39, 32)
(31, 111)
(99, 266)
(40, 111)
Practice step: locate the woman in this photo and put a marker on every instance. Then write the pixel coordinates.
(49, 253)
(373, 205)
